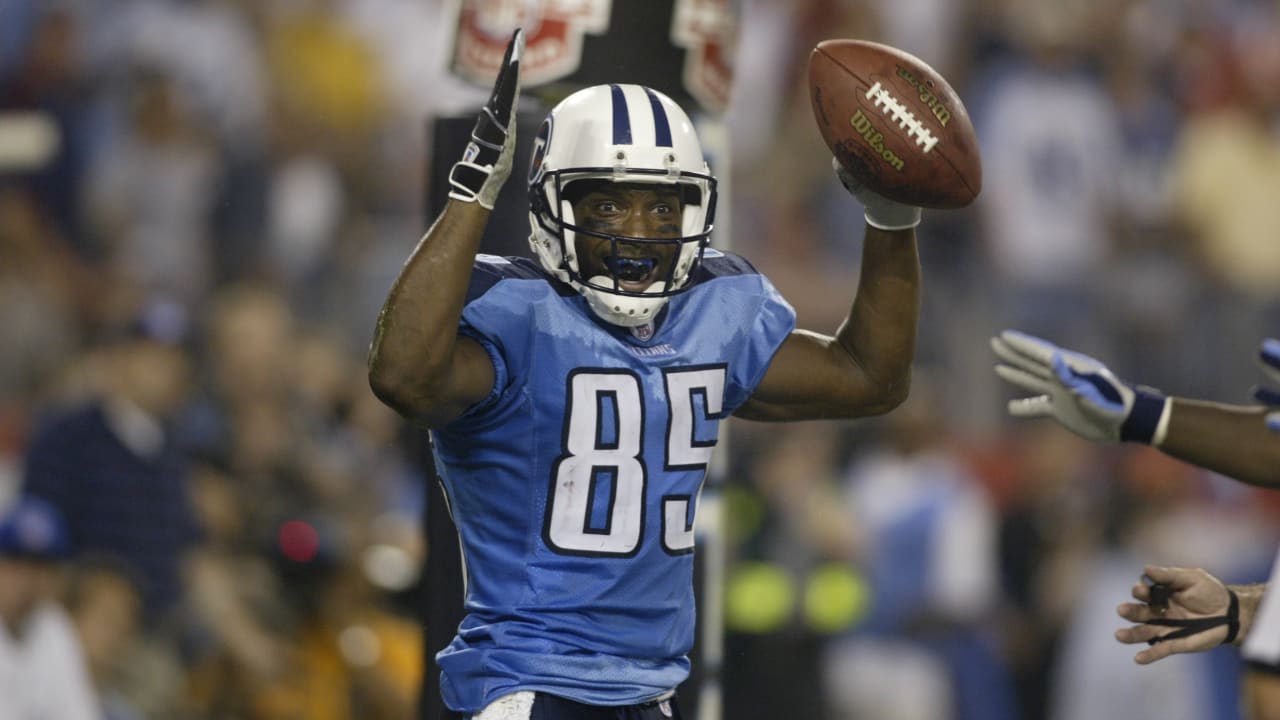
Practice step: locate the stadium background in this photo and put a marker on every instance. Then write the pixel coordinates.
(250, 175)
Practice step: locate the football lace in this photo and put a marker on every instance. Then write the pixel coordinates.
(890, 106)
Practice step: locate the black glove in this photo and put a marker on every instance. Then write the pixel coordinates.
(486, 163)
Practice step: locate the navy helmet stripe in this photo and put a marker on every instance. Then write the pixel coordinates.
(621, 118)
(661, 127)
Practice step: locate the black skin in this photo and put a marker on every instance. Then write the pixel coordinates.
(420, 366)
(626, 209)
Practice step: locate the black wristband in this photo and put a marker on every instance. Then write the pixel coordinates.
(1144, 418)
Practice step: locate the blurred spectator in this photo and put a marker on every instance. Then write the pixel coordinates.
(42, 665)
(1051, 142)
(1049, 524)
(1157, 509)
(210, 50)
(327, 79)
(789, 534)
(43, 291)
(1227, 167)
(928, 552)
(49, 81)
(341, 654)
(110, 464)
(151, 193)
(135, 678)
(1226, 176)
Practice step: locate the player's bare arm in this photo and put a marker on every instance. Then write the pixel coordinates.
(865, 369)
(1229, 439)
(1087, 398)
(1235, 440)
(895, 156)
(418, 364)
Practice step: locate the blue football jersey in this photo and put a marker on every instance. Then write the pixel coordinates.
(574, 485)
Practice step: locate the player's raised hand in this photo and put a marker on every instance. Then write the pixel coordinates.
(1269, 358)
(1076, 390)
(1200, 613)
(486, 162)
(880, 211)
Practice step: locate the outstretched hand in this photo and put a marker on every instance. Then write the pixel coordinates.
(1194, 595)
(1269, 359)
(879, 211)
(486, 162)
(1076, 390)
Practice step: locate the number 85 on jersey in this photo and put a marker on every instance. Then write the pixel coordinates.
(613, 451)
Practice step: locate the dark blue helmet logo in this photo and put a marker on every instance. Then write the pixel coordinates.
(539, 151)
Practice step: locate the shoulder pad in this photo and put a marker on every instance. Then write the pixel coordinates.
(716, 263)
(489, 270)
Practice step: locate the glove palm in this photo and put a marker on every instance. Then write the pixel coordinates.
(1076, 390)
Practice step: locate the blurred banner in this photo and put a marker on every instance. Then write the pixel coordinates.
(684, 48)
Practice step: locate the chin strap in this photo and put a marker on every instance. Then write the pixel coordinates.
(1193, 626)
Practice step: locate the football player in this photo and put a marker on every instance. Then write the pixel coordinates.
(574, 398)
(1180, 610)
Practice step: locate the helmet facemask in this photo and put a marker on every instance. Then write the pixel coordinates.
(584, 148)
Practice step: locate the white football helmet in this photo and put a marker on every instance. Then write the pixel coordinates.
(618, 133)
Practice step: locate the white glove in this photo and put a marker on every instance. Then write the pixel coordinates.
(1269, 359)
(880, 211)
(1079, 392)
(486, 162)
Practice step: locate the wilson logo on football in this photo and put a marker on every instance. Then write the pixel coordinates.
(927, 96)
(875, 139)
(897, 112)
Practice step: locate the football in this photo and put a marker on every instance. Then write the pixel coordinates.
(894, 123)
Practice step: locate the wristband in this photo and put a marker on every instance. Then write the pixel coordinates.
(1148, 421)
(890, 215)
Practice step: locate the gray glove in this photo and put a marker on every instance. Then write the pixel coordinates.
(486, 163)
(1078, 391)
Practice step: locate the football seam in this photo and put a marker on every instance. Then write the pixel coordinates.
(954, 170)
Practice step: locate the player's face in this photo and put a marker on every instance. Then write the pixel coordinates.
(632, 210)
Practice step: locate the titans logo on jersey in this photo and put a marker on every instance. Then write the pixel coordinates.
(575, 484)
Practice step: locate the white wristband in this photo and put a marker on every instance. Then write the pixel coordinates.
(1162, 427)
(892, 216)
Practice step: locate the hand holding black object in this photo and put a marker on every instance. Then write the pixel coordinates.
(1199, 613)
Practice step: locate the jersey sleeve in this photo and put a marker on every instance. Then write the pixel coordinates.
(774, 320)
(498, 321)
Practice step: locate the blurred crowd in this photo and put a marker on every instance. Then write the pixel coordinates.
(204, 202)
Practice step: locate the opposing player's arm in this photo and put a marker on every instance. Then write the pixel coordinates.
(866, 368)
(1084, 396)
(418, 364)
(1229, 439)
